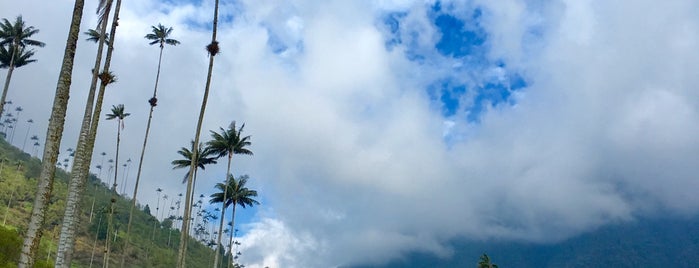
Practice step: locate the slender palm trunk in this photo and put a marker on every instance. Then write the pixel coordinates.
(54, 134)
(11, 68)
(194, 190)
(223, 210)
(94, 244)
(184, 237)
(80, 166)
(14, 128)
(24, 144)
(113, 200)
(230, 244)
(7, 210)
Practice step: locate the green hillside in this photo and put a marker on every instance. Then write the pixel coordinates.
(154, 243)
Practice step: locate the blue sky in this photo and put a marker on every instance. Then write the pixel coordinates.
(384, 127)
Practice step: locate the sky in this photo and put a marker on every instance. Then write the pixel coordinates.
(385, 127)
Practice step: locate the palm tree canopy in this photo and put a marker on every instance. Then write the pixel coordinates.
(117, 112)
(485, 262)
(94, 36)
(229, 141)
(22, 56)
(17, 33)
(237, 193)
(205, 158)
(160, 36)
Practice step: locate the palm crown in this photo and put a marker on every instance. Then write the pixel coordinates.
(16, 33)
(237, 193)
(117, 113)
(203, 159)
(229, 142)
(160, 35)
(21, 56)
(94, 36)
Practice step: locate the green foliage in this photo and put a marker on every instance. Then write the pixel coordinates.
(10, 249)
(18, 177)
(485, 262)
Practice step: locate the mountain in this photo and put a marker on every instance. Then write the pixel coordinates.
(649, 242)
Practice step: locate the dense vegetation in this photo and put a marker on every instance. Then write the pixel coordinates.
(151, 247)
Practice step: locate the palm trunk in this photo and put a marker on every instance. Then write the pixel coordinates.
(230, 244)
(140, 163)
(113, 200)
(14, 128)
(223, 209)
(94, 245)
(182, 253)
(80, 165)
(24, 144)
(54, 134)
(7, 210)
(11, 68)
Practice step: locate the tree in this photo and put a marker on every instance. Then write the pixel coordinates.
(26, 136)
(54, 134)
(16, 36)
(81, 164)
(213, 49)
(118, 114)
(232, 193)
(160, 36)
(205, 157)
(227, 143)
(188, 157)
(485, 262)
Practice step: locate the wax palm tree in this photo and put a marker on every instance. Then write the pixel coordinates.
(205, 157)
(160, 36)
(81, 163)
(232, 193)
(118, 114)
(485, 262)
(213, 49)
(16, 36)
(227, 143)
(52, 143)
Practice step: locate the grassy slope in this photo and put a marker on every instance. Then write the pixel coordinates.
(18, 173)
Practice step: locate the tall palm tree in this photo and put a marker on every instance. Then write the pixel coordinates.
(213, 49)
(54, 134)
(227, 143)
(118, 114)
(160, 36)
(205, 157)
(81, 163)
(233, 192)
(16, 36)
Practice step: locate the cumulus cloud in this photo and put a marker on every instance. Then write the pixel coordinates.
(354, 160)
